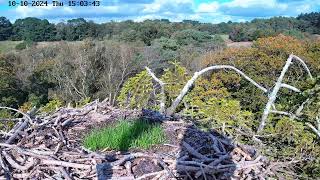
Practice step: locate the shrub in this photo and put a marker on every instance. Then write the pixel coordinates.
(24, 45)
(136, 91)
(51, 106)
(263, 63)
(125, 135)
(83, 102)
(6, 125)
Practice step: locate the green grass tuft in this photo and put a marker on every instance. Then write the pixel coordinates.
(125, 135)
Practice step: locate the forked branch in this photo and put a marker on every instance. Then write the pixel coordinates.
(278, 85)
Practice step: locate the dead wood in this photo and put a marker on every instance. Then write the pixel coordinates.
(52, 148)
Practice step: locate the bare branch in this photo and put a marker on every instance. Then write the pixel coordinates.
(163, 97)
(278, 85)
(189, 84)
(303, 64)
(16, 110)
(317, 131)
(283, 85)
(291, 115)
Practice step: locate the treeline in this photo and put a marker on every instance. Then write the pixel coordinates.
(75, 71)
(34, 29)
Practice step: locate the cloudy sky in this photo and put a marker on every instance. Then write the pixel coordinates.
(213, 11)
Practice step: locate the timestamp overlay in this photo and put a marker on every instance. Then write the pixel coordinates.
(54, 3)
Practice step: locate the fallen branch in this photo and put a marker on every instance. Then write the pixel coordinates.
(189, 84)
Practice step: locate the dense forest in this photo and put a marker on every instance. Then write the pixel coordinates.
(33, 29)
(74, 62)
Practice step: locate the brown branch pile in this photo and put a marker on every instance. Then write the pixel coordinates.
(49, 147)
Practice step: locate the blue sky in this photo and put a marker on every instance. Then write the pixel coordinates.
(175, 10)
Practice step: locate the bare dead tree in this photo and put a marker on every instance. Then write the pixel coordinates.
(169, 111)
(278, 85)
(272, 96)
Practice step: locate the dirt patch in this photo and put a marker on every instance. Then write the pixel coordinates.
(240, 44)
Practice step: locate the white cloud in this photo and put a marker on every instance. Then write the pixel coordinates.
(159, 5)
(208, 7)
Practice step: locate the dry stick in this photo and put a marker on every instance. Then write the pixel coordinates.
(163, 164)
(21, 127)
(215, 143)
(194, 152)
(163, 97)
(5, 168)
(16, 133)
(14, 164)
(189, 84)
(283, 85)
(128, 166)
(278, 85)
(128, 158)
(65, 174)
(65, 164)
(303, 64)
(291, 115)
(16, 110)
(316, 131)
(300, 108)
(203, 173)
(146, 176)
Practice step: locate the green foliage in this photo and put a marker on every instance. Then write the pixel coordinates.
(33, 29)
(10, 92)
(124, 135)
(186, 32)
(6, 125)
(310, 22)
(24, 45)
(294, 33)
(260, 28)
(217, 113)
(5, 29)
(33, 101)
(207, 101)
(83, 102)
(191, 36)
(166, 44)
(270, 52)
(175, 78)
(290, 131)
(51, 106)
(136, 91)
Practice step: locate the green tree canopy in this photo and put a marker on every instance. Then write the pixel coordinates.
(5, 28)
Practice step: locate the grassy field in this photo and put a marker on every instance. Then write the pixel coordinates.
(7, 46)
(136, 134)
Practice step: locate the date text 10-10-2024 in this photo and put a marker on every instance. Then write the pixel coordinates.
(54, 3)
